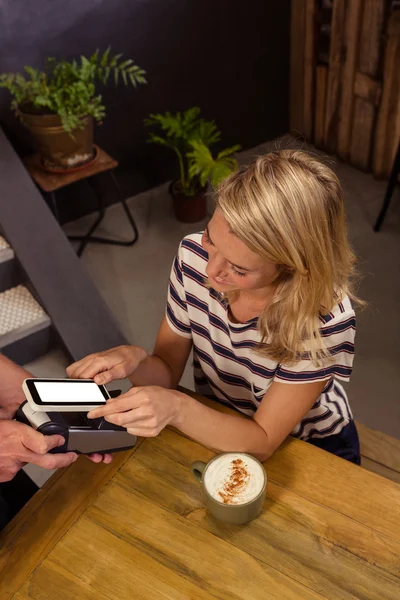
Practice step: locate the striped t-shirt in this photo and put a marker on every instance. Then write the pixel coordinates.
(226, 366)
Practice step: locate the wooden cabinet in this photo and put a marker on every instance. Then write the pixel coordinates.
(345, 79)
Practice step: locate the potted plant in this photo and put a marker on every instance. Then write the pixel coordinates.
(190, 137)
(59, 104)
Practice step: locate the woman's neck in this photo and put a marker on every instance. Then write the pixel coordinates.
(249, 304)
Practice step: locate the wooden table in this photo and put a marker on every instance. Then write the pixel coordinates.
(137, 529)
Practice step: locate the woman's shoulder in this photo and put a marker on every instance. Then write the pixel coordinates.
(191, 250)
(341, 315)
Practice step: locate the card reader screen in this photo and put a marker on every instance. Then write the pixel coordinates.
(69, 392)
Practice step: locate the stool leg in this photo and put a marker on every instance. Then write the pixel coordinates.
(54, 206)
(127, 212)
(389, 191)
(87, 238)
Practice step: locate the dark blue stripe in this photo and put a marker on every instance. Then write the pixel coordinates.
(326, 318)
(237, 403)
(239, 328)
(338, 391)
(224, 377)
(351, 322)
(318, 418)
(174, 294)
(343, 347)
(229, 379)
(242, 327)
(196, 248)
(218, 322)
(178, 270)
(225, 352)
(178, 324)
(220, 299)
(329, 386)
(346, 346)
(327, 430)
(335, 403)
(193, 274)
(310, 375)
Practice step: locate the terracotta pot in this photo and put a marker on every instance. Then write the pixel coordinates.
(188, 209)
(59, 149)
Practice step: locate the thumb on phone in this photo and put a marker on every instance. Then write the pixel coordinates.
(39, 443)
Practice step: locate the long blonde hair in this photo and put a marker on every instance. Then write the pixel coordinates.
(288, 207)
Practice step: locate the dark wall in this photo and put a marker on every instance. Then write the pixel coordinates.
(229, 57)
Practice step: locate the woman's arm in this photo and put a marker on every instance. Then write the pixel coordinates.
(145, 411)
(167, 363)
(164, 367)
(281, 409)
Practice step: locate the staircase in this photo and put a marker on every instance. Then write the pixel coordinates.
(25, 328)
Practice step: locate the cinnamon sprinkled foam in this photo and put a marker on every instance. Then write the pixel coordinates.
(234, 479)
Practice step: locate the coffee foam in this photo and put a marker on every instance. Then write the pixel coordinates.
(234, 478)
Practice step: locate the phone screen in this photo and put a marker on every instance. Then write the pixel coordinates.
(68, 392)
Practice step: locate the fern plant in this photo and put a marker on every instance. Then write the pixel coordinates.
(68, 88)
(190, 137)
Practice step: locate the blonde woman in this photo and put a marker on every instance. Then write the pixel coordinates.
(262, 298)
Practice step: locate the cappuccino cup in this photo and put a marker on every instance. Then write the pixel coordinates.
(234, 485)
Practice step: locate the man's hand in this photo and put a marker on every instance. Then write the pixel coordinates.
(11, 394)
(20, 444)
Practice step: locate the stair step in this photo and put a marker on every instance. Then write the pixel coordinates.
(25, 328)
(10, 271)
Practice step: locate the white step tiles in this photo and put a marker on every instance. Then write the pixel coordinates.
(20, 315)
(3, 243)
(6, 252)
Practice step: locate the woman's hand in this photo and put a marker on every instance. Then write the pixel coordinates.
(144, 411)
(104, 367)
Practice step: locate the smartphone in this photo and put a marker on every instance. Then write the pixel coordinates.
(64, 395)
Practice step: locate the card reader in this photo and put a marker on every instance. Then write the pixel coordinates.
(81, 434)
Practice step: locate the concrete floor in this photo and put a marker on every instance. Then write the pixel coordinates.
(133, 282)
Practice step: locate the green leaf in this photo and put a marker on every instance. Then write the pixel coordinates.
(190, 137)
(104, 58)
(94, 58)
(205, 167)
(156, 139)
(229, 151)
(132, 79)
(206, 132)
(126, 63)
(114, 61)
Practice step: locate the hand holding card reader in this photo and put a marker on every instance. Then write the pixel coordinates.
(60, 406)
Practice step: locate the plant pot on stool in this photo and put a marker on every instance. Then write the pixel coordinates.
(190, 137)
(188, 209)
(57, 148)
(60, 103)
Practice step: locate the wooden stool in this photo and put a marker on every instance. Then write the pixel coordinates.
(49, 183)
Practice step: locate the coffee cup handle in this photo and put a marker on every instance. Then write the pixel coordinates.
(197, 469)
